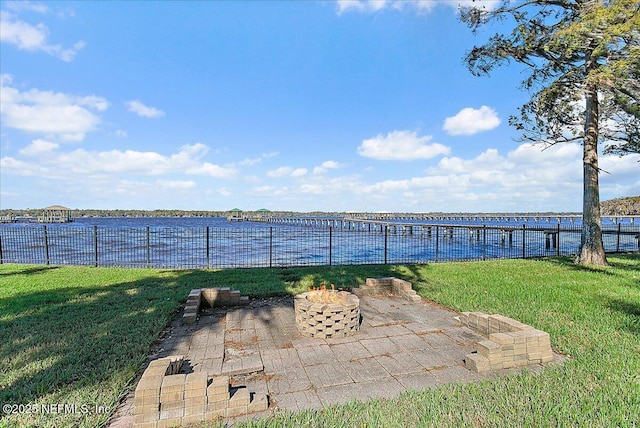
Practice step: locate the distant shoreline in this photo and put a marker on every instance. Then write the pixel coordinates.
(88, 213)
(614, 207)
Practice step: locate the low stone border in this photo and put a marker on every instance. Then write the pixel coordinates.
(510, 343)
(396, 286)
(166, 398)
(220, 296)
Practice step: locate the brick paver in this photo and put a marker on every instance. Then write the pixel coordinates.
(401, 345)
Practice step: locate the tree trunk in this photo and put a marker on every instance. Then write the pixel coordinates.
(591, 246)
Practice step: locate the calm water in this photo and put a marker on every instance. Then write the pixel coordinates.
(213, 242)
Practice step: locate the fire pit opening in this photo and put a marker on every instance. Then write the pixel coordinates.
(327, 314)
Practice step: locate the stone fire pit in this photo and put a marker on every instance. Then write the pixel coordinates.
(326, 314)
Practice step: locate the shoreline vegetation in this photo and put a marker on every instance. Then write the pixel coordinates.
(80, 336)
(620, 206)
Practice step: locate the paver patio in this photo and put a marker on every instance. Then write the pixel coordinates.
(400, 346)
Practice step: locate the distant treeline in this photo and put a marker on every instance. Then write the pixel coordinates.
(34, 212)
(621, 206)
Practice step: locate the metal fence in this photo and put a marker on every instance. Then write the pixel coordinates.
(287, 247)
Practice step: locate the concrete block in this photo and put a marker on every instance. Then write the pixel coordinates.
(258, 403)
(546, 359)
(195, 419)
(189, 318)
(171, 405)
(195, 401)
(215, 398)
(195, 410)
(170, 423)
(240, 397)
(217, 405)
(195, 393)
(234, 297)
(152, 400)
(173, 383)
(224, 296)
(219, 385)
(146, 418)
(149, 386)
(148, 409)
(172, 414)
(196, 380)
(237, 411)
(146, 425)
(502, 338)
(171, 396)
(188, 309)
(215, 414)
(487, 348)
(160, 362)
(477, 363)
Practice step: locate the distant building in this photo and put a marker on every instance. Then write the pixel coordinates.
(235, 215)
(55, 214)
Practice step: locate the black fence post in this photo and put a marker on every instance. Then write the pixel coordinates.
(618, 239)
(95, 245)
(558, 241)
(386, 238)
(270, 246)
(437, 241)
(46, 245)
(148, 247)
(484, 242)
(208, 246)
(524, 241)
(1, 257)
(330, 244)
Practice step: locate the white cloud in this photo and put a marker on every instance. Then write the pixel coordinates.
(330, 164)
(30, 37)
(140, 109)
(212, 170)
(417, 6)
(255, 161)
(299, 172)
(61, 115)
(470, 121)
(283, 171)
(524, 179)
(401, 145)
(85, 163)
(38, 148)
(176, 184)
(287, 171)
(326, 165)
(24, 5)
(12, 166)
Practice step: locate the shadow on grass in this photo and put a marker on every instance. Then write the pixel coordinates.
(631, 311)
(28, 271)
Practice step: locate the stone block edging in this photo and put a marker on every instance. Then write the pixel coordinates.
(219, 296)
(390, 285)
(509, 343)
(166, 398)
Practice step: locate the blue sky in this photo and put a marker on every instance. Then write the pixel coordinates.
(293, 105)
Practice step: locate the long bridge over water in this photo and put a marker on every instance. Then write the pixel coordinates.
(371, 221)
(449, 225)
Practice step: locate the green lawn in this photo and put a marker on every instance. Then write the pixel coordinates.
(78, 336)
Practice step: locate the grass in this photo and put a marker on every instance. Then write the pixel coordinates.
(78, 336)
